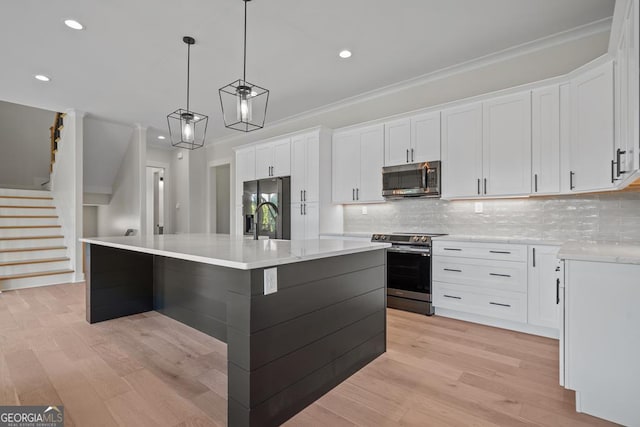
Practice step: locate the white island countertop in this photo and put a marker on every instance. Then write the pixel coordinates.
(235, 252)
(601, 252)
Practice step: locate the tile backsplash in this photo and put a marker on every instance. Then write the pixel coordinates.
(611, 217)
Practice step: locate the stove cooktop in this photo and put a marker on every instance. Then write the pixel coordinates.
(422, 239)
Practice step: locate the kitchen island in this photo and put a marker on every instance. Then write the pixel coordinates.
(298, 317)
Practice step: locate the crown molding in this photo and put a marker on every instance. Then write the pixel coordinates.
(586, 30)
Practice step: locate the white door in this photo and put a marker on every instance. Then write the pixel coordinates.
(425, 137)
(297, 221)
(592, 129)
(345, 166)
(298, 168)
(506, 159)
(312, 220)
(281, 165)
(397, 142)
(264, 160)
(462, 151)
(545, 140)
(543, 288)
(371, 162)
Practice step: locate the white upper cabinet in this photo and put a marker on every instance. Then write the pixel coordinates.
(245, 169)
(358, 157)
(305, 168)
(545, 140)
(273, 159)
(412, 140)
(592, 130)
(462, 151)
(543, 287)
(507, 145)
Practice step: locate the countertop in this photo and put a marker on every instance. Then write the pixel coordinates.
(236, 252)
(347, 235)
(499, 239)
(600, 252)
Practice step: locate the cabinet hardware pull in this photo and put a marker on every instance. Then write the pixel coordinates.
(305, 208)
(357, 194)
(451, 296)
(535, 182)
(500, 252)
(557, 291)
(301, 210)
(452, 249)
(301, 198)
(571, 174)
(305, 195)
(612, 177)
(412, 155)
(501, 305)
(353, 194)
(453, 269)
(478, 185)
(499, 275)
(485, 186)
(619, 153)
(534, 256)
(407, 155)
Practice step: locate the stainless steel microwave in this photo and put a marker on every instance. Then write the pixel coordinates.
(414, 180)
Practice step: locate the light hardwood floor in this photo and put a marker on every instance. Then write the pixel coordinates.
(150, 370)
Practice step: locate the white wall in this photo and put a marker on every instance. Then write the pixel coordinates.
(89, 221)
(163, 158)
(188, 190)
(25, 141)
(66, 187)
(197, 192)
(127, 206)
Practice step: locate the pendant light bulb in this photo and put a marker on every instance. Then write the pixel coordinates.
(244, 107)
(187, 128)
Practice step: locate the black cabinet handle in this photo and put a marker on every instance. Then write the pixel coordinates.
(452, 249)
(613, 179)
(357, 194)
(453, 269)
(305, 208)
(499, 275)
(535, 183)
(301, 210)
(571, 186)
(407, 155)
(353, 194)
(478, 185)
(500, 304)
(305, 195)
(557, 291)
(619, 153)
(500, 252)
(301, 198)
(412, 155)
(485, 186)
(534, 256)
(451, 296)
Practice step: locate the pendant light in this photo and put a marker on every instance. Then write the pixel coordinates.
(244, 104)
(187, 129)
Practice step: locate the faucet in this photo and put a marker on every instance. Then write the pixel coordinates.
(257, 216)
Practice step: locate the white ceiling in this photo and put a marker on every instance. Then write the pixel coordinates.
(129, 64)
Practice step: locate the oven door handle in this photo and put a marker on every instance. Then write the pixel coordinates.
(423, 252)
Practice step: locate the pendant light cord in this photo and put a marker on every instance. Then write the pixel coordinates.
(188, 71)
(244, 69)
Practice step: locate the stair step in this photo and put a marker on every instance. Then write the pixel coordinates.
(32, 243)
(27, 211)
(30, 238)
(29, 231)
(13, 227)
(28, 216)
(24, 192)
(32, 255)
(43, 248)
(37, 274)
(32, 261)
(26, 197)
(26, 207)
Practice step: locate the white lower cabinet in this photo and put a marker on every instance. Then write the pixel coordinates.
(497, 284)
(305, 221)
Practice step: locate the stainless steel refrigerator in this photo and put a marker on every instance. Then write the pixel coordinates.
(271, 224)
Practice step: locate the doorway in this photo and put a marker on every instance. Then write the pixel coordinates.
(220, 198)
(155, 200)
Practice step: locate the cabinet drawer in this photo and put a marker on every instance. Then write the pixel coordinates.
(480, 273)
(492, 303)
(491, 251)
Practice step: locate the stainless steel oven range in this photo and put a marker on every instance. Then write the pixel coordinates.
(408, 271)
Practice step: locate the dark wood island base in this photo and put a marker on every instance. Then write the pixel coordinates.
(326, 321)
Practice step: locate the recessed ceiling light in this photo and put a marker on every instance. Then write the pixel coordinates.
(72, 23)
(345, 54)
(42, 78)
(161, 137)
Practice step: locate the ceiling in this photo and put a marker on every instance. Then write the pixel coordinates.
(129, 64)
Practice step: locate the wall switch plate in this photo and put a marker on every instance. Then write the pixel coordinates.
(179, 155)
(478, 207)
(270, 280)
(364, 210)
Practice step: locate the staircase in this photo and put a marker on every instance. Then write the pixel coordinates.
(32, 249)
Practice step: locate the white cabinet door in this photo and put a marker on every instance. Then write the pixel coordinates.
(245, 170)
(264, 160)
(397, 142)
(371, 162)
(425, 137)
(345, 166)
(312, 188)
(545, 140)
(507, 145)
(592, 129)
(297, 221)
(543, 289)
(238, 221)
(462, 151)
(299, 173)
(281, 165)
(311, 213)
